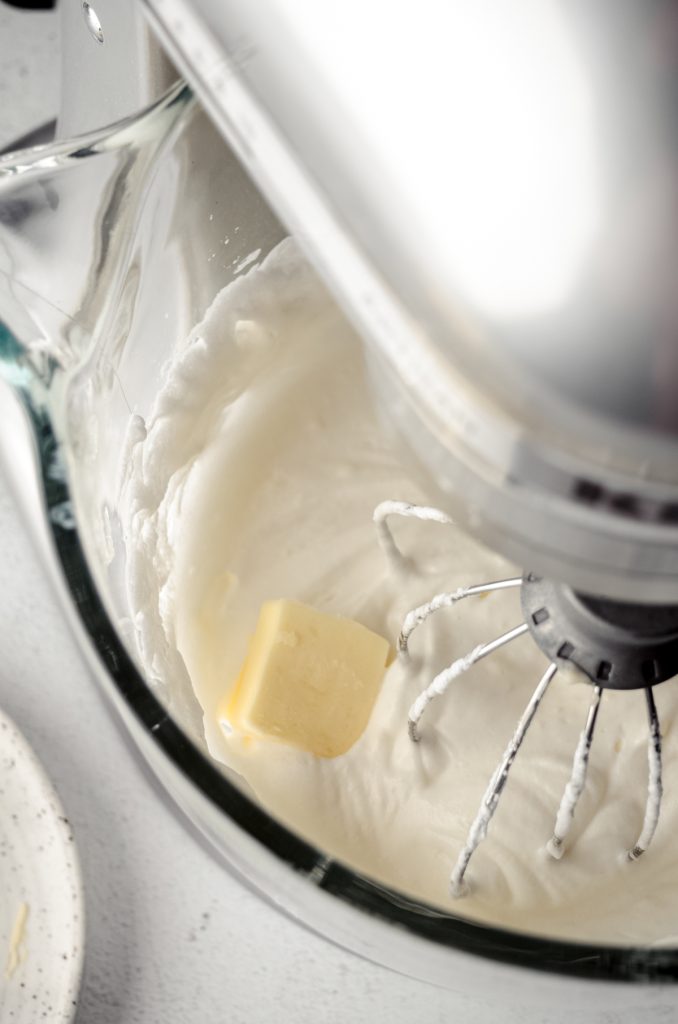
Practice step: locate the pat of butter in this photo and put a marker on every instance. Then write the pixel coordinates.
(309, 679)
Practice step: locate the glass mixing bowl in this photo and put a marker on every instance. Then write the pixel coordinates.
(111, 248)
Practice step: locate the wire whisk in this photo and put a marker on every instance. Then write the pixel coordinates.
(442, 682)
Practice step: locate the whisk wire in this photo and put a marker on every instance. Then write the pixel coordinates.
(488, 806)
(441, 682)
(419, 615)
(385, 509)
(654, 786)
(577, 781)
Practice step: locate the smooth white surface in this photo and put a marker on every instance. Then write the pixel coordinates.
(41, 897)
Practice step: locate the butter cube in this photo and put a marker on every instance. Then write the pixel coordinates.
(309, 679)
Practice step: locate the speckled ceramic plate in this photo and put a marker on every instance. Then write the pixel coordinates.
(41, 898)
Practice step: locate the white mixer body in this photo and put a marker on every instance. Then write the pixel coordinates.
(491, 194)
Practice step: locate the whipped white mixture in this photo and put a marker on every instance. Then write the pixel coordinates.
(256, 478)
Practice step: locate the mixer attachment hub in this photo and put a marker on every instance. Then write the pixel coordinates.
(618, 646)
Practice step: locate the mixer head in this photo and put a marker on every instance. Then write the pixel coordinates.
(500, 223)
(615, 645)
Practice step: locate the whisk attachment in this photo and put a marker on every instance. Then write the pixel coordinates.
(577, 781)
(615, 645)
(654, 784)
(488, 806)
(441, 682)
(618, 646)
(419, 615)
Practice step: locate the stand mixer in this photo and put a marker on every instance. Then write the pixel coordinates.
(500, 221)
(495, 209)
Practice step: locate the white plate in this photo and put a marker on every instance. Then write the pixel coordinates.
(41, 897)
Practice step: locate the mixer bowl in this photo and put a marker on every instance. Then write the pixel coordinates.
(111, 249)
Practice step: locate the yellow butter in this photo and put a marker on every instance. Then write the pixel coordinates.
(309, 679)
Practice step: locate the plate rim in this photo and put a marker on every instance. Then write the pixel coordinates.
(57, 812)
